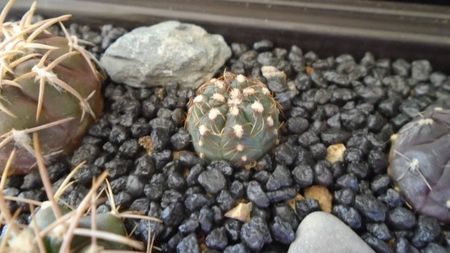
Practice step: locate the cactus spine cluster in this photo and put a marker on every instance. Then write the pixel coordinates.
(48, 84)
(233, 118)
(420, 163)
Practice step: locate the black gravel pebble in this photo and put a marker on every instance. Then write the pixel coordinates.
(305, 207)
(380, 231)
(303, 175)
(257, 195)
(378, 245)
(426, 231)
(401, 218)
(282, 231)
(370, 207)
(349, 215)
(255, 234)
(212, 180)
(217, 239)
(281, 177)
(189, 244)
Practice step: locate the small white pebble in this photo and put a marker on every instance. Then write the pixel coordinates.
(198, 99)
(234, 111)
(448, 203)
(239, 147)
(248, 91)
(265, 91)
(257, 107)
(201, 155)
(240, 78)
(213, 113)
(270, 121)
(438, 109)
(200, 143)
(218, 97)
(238, 130)
(202, 129)
(244, 158)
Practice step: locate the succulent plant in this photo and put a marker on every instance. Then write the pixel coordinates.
(233, 118)
(104, 222)
(48, 84)
(420, 163)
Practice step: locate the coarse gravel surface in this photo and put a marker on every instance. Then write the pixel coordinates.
(359, 102)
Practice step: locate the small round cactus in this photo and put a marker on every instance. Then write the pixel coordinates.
(105, 222)
(233, 118)
(420, 163)
(48, 84)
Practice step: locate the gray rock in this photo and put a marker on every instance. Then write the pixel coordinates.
(324, 233)
(168, 52)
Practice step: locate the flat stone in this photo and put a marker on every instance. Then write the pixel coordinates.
(324, 233)
(168, 52)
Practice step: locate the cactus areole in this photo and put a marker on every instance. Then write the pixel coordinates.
(48, 85)
(420, 163)
(233, 118)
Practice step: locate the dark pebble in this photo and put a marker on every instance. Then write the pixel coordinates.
(282, 231)
(403, 246)
(421, 70)
(322, 173)
(237, 248)
(401, 218)
(189, 244)
(180, 140)
(217, 239)
(256, 234)
(256, 194)
(392, 198)
(380, 231)
(212, 180)
(434, 248)
(233, 228)
(305, 207)
(427, 230)
(281, 195)
(370, 207)
(173, 215)
(303, 175)
(344, 196)
(297, 125)
(334, 136)
(285, 154)
(195, 201)
(281, 177)
(206, 218)
(144, 167)
(378, 245)
(348, 215)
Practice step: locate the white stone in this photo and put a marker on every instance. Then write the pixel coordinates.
(322, 232)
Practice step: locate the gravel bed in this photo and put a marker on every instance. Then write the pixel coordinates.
(357, 102)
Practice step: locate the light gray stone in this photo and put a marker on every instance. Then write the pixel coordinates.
(324, 233)
(168, 52)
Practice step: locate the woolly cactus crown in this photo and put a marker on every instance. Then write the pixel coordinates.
(233, 118)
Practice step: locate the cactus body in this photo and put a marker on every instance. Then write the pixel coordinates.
(43, 79)
(105, 222)
(420, 163)
(233, 118)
